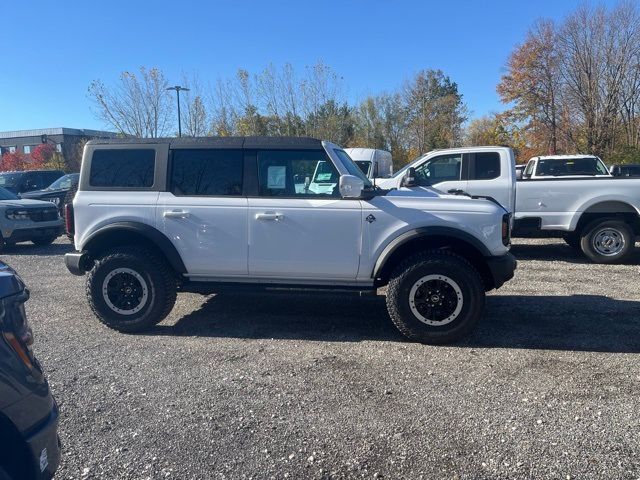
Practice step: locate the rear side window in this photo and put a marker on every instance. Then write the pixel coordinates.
(207, 172)
(487, 166)
(128, 168)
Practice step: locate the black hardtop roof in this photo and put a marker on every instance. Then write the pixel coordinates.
(279, 143)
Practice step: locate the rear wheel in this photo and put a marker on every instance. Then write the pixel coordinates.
(435, 297)
(607, 241)
(131, 289)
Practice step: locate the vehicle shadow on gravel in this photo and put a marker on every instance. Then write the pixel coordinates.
(592, 323)
(576, 323)
(559, 252)
(292, 316)
(35, 250)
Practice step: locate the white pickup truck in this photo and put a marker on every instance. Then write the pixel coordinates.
(477, 171)
(577, 200)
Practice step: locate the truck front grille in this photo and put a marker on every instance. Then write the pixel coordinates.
(44, 215)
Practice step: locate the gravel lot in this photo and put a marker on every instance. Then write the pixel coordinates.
(323, 386)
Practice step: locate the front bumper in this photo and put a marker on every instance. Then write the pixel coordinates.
(26, 234)
(77, 262)
(44, 445)
(502, 268)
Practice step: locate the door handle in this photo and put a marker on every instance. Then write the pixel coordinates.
(269, 216)
(176, 214)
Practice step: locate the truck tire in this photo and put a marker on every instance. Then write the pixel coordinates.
(573, 240)
(435, 297)
(607, 241)
(131, 289)
(43, 241)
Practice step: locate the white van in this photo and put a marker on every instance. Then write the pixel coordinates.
(373, 162)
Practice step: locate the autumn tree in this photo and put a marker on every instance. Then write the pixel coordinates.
(533, 82)
(138, 104)
(435, 111)
(12, 161)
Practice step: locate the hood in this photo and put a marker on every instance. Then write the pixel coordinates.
(26, 203)
(430, 200)
(41, 193)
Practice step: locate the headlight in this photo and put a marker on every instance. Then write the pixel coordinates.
(16, 214)
(15, 328)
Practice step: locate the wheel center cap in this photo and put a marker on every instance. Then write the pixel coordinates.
(128, 290)
(435, 298)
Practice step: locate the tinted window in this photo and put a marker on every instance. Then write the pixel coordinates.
(131, 168)
(439, 169)
(570, 166)
(207, 172)
(487, 166)
(305, 173)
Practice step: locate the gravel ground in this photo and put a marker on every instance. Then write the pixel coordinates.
(323, 386)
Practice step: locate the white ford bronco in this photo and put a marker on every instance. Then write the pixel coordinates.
(154, 217)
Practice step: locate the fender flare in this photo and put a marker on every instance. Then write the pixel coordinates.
(426, 232)
(152, 234)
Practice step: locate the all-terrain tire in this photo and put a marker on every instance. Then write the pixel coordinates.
(147, 282)
(441, 274)
(607, 241)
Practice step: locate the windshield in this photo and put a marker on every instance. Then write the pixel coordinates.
(7, 195)
(364, 165)
(64, 183)
(352, 168)
(10, 179)
(559, 167)
(412, 163)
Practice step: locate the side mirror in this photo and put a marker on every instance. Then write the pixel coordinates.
(351, 186)
(518, 174)
(409, 180)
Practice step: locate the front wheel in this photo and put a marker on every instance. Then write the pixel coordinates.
(607, 241)
(130, 289)
(435, 297)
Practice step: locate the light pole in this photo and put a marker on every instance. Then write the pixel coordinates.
(178, 89)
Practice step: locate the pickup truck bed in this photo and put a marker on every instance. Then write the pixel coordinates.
(599, 215)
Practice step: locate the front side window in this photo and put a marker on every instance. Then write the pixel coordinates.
(207, 172)
(486, 166)
(305, 173)
(442, 168)
(124, 168)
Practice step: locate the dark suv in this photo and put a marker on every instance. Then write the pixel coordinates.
(26, 181)
(57, 191)
(29, 445)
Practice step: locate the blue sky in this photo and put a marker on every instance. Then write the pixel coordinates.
(51, 51)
